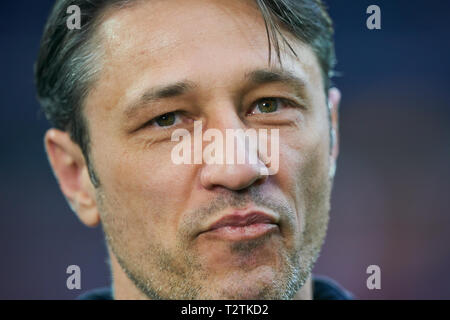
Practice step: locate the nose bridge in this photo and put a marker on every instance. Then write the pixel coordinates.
(223, 114)
(235, 171)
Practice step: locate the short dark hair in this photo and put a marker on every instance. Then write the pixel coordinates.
(66, 66)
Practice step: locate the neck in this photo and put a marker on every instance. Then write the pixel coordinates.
(123, 287)
(306, 291)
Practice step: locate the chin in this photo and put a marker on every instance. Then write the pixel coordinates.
(262, 282)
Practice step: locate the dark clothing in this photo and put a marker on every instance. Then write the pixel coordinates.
(323, 289)
(326, 289)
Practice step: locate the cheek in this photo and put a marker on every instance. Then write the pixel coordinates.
(146, 190)
(304, 160)
(298, 150)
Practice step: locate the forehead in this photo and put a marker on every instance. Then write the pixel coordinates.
(209, 42)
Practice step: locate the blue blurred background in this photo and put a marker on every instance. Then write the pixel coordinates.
(391, 201)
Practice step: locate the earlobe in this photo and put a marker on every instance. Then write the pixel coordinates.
(334, 98)
(88, 212)
(69, 167)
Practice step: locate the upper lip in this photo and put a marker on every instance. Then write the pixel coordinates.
(241, 220)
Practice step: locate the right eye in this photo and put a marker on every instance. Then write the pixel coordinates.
(166, 120)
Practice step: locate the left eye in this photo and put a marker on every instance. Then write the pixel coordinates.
(267, 105)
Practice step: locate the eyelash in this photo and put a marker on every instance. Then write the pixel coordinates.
(153, 121)
(281, 101)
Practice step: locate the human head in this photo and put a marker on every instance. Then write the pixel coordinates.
(86, 76)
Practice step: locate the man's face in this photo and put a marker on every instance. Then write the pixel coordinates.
(157, 215)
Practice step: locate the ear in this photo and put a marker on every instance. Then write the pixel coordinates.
(334, 98)
(70, 169)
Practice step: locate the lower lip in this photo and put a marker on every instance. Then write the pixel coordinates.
(236, 233)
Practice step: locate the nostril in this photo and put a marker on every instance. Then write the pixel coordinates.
(261, 180)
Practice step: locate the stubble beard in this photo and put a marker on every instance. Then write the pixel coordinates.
(184, 276)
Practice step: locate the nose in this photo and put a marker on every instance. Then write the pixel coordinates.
(234, 175)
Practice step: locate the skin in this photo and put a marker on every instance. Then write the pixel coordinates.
(153, 211)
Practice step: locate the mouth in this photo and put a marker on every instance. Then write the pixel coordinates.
(239, 227)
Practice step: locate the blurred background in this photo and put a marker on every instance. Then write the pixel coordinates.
(391, 200)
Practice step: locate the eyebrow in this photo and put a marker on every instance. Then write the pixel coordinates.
(266, 76)
(253, 78)
(159, 93)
